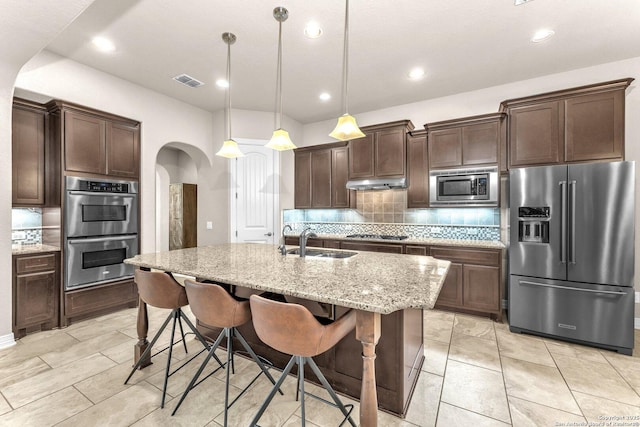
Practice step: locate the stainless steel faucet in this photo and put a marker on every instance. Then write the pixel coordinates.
(283, 246)
(303, 240)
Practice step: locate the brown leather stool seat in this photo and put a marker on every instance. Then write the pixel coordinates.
(161, 290)
(292, 329)
(214, 306)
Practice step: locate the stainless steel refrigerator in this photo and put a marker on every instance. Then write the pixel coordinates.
(571, 254)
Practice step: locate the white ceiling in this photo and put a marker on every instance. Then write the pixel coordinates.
(462, 45)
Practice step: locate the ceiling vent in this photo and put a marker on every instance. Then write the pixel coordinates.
(187, 80)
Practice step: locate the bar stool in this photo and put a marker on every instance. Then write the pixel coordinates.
(214, 306)
(159, 289)
(292, 329)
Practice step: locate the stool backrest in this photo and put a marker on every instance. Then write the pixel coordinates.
(214, 306)
(160, 290)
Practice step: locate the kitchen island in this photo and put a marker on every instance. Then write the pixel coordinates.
(374, 284)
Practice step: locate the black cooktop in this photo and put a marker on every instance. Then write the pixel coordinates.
(376, 236)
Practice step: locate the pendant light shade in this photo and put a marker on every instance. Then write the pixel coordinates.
(347, 128)
(229, 148)
(280, 139)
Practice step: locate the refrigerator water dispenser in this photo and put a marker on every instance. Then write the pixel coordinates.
(533, 224)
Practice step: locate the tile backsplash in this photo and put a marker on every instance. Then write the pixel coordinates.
(26, 226)
(385, 212)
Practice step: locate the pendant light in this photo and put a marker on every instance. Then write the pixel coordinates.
(347, 128)
(280, 139)
(229, 148)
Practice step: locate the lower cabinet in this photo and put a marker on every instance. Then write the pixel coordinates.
(36, 291)
(98, 300)
(372, 247)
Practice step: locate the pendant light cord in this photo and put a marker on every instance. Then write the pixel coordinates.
(345, 61)
(228, 90)
(278, 116)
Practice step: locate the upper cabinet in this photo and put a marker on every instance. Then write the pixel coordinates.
(28, 153)
(381, 152)
(573, 125)
(321, 176)
(417, 170)
(466, 142)
(97, 143)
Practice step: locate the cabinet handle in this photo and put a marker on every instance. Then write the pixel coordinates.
(570, 288)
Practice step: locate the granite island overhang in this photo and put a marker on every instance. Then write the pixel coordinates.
(378, 285)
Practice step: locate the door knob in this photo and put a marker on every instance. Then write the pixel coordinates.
(269, 234)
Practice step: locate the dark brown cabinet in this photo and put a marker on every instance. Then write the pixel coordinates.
(28, 140)
(416, 250)
(372, 247)
(97, 143)
(451, 292)
(573, 125)
(381, 152)
(321, 177)
(36, 290)
(417, 170)
(465, 142)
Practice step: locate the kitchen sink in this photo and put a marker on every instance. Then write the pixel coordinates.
(319, 253)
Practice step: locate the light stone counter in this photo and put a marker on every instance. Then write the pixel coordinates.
(33, 249)
(374, 282)
(468, 243)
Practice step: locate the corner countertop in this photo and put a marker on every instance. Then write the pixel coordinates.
(369, 281)
(33, 249)
(486, 244)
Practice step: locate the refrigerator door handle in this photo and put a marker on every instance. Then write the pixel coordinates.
(546, 285)
(572, 208)
(563, 222)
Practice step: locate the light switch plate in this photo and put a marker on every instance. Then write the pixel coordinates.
(209, 225)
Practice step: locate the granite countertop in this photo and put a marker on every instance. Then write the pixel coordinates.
(33, 249)
(369, 281)
(487, 244)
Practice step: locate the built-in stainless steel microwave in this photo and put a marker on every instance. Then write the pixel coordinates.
(464, 187)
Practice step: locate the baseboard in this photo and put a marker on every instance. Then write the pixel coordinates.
(8, 340)
(637, 323)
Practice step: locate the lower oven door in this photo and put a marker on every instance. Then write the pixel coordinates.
(95, 260)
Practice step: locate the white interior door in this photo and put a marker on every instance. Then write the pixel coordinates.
(255, 193)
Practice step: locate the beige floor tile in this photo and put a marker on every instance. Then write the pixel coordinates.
(529, 414)
(435, 356)
(628, 367)
(597, 409)
(111, 381)
(122, 409)
(21, 370)
(423, 408)
(12, 355)
(475, 389)
(574, 350)
(323, 415)
(439, 314)
(597, 379)
(45, 383)
(475, 351)
(4, 405)
(436, 329)
(295, 421)
(83, 349)
(475, 326)
(524, 347)
(449, 416)
(49, 410)
(538, 383)
(90, 331)
(122, 352)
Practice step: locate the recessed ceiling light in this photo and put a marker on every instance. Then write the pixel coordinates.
(103, 44)
(312, 30)
(519, 2)
(324, 96)
(222, 83)
(542, 35)
(416, 74)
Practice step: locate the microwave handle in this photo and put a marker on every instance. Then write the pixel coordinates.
(89, 193)
(101, 239)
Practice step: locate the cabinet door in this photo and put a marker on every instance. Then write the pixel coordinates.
(390, 152)
(418, 172)
(451, 292)
(535, 134)
(27, 142)
(321, 179)
(372, 247)
(123, 150)
(594, 127)
(35, 299)
(481, 287)
(416, 250)
(84, 143)
(480, 144)
(362, 157)
(339, 176)
(302, 180)
(445, 148)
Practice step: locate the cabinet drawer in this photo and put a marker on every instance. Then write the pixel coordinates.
(33, 264)
(416, 250)
(372, 247)
(467, 256)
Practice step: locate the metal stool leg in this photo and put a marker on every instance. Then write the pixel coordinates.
(329, 389)
(228, 331)
(184, 342)
(200, 337)
(301, 386)
(149, 347)
(166, 372)
(275, 388)
(255, 357)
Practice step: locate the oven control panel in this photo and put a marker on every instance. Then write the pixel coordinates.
(104, 187)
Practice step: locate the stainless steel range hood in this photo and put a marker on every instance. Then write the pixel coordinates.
(377, 184)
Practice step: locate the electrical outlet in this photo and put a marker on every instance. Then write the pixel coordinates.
(209, 225)
(637, 297)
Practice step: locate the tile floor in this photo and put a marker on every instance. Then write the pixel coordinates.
(476, 373)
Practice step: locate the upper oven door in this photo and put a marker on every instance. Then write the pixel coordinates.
(100, 214)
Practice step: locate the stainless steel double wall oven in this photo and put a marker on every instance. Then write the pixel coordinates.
(101, 230)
